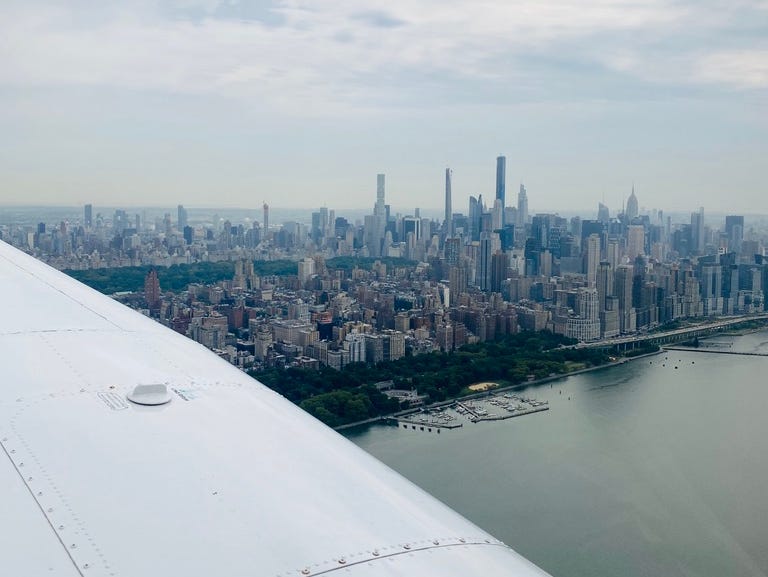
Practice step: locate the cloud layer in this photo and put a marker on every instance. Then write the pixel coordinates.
(324, 56)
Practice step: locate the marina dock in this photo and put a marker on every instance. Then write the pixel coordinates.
(496, 407)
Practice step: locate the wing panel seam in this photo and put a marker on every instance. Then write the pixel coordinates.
(42, 511)
(343, 564)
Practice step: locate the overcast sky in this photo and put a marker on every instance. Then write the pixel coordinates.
(301, 102)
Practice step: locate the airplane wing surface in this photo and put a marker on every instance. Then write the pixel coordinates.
(225, 477)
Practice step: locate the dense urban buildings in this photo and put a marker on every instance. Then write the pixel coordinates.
(390, 284)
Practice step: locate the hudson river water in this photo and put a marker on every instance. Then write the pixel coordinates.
(647, 470)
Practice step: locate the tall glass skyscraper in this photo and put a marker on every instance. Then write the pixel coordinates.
(448, 222)
(501, 178)
(380, 189)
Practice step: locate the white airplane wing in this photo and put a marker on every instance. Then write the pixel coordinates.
(227, 478)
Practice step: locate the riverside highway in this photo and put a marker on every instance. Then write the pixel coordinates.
(675, 335)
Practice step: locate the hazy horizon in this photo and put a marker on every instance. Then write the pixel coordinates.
(281, 214)
(435, 211)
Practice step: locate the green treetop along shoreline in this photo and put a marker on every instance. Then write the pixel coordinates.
(348, 396)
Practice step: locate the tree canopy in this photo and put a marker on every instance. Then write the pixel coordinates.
(176, 277)
(512, 360)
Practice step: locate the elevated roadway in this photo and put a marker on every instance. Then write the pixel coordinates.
(675, 335)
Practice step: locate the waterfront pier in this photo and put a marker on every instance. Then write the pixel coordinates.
(496, 407)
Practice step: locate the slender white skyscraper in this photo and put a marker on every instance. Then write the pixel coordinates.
(376, 225)
(497, 214)
(592, 259)
(522, 207)
(448, 223)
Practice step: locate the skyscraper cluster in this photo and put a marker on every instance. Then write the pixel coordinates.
(593, 277)
(478, 273)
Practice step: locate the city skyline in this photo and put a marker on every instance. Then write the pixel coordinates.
(298, 103)
(78, 214)
(630, 205)
(417, 283)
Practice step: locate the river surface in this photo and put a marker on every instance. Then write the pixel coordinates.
(655, 467)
